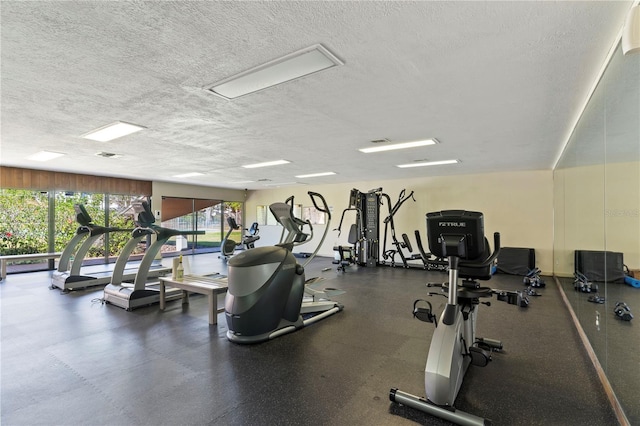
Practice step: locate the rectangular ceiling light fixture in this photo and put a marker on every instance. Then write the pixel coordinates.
(44, 156)
(112, 131)
(188, 175)
(287, 68)
(428, 163)
(404, 145)
(316, 175)
(283, 184)
(266, 164)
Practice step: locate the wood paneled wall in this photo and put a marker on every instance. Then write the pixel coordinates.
(173, 207)
(41, 180)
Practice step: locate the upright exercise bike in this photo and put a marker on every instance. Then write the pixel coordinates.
(458, 236)
(228, 246)
(250, 238)
(267, 294)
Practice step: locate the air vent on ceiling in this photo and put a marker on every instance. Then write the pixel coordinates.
(264, 180)
(108, 155)
(385, 140)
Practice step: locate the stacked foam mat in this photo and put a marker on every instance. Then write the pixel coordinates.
(604, 266)
(516, 260)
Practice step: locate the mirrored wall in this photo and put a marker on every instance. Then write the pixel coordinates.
(197, 214)
(597, 209)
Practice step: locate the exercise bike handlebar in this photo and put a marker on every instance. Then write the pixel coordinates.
(488, 260)
(455, 263)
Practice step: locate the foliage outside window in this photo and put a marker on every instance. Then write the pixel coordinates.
(23, 222)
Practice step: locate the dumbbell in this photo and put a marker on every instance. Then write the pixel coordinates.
(622, 311)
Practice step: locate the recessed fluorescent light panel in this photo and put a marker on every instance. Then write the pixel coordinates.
(290, 67)
(112, 131)
(266, 164)
(44, 156)
(284, 184)
(399, 146)
(428, 163)
(315, 175)
(188, 175)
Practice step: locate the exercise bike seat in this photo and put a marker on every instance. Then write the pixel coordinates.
(476, 269)
(470, 292)
(474, 293)
(475, 272)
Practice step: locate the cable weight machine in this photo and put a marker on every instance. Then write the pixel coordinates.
(364, 233)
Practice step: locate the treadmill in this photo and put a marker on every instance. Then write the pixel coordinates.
(139, 292)
(67, 279)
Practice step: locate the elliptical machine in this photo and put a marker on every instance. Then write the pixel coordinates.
(267, 294)
(457, 235)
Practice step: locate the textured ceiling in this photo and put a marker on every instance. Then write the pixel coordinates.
(499, 84)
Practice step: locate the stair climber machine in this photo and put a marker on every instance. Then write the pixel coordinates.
(69, 278)
(458, 236)
(268, 295)
(364, 234)
(141, 293)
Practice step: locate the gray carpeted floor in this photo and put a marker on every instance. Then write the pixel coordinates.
(67, 359)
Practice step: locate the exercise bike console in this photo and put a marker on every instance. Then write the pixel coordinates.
(458, 236)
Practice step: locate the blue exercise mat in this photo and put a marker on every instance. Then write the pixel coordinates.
(632, 281)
